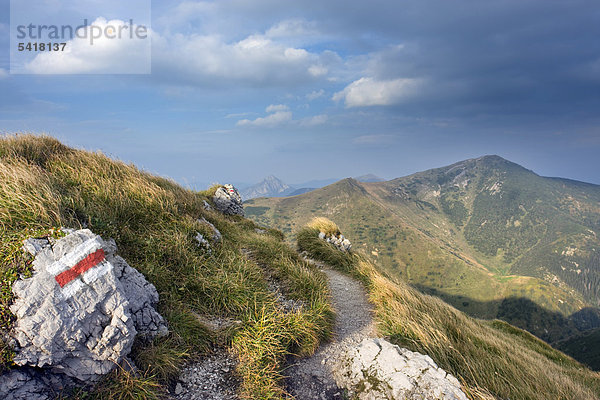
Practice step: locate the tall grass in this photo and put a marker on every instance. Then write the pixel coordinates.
(45, 185)
(492, 358)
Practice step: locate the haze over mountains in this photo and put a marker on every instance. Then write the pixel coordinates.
(272, 186)
(487, 235)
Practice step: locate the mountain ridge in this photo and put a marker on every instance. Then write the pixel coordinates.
(474, 232)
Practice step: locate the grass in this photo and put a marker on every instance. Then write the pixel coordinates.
(45, 185)
(492, 359)
(324, 225)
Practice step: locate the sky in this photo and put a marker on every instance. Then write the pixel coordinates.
(306, 90)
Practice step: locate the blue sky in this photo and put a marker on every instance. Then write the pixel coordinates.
(329, 89)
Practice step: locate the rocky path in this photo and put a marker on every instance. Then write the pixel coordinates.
(311, 377)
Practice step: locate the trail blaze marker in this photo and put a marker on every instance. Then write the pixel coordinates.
(84, 264)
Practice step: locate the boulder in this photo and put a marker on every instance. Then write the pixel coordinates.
(228, 200)
(81, 310)
(377, 369)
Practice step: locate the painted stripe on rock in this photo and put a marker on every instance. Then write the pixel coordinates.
(90, 261)
(74, 256)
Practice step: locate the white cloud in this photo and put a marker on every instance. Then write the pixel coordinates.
(276, 107)
(313, 121)
(373, 92)
(259, 59)
(315, 94)
(122, 55)
(317, 70)
(270, 121)
(3, 73)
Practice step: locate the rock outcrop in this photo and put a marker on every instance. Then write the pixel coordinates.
(228, 200)
(377, 369)
(340, 241)
(81, 310)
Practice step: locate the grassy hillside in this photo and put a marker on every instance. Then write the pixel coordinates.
(488, 236)
(492, 359)
(45, 185)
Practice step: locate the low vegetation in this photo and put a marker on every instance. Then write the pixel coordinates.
(45, 185)
(492, 359)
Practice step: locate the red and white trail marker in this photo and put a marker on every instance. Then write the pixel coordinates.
(84, 264)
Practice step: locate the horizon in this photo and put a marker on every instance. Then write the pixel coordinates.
(299, 185)
(314, 91)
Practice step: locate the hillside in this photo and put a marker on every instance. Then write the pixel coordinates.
(492, 359)
(226, 301)
(489, 236)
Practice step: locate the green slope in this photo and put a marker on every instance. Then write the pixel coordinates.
(487, 235)
(45, 185)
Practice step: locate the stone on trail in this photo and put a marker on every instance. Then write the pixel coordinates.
(81, 310)
(377, 369)
(228, 200)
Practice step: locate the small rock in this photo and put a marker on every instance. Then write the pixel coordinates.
(178, 388)
(216, 235)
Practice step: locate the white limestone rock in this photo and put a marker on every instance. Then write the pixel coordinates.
(340, 242)
(216, 235)
(228, 200)
(82, 308)
(377, 369)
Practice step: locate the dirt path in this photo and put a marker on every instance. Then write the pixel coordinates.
(311, 378)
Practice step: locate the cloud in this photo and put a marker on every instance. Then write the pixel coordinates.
(314, 121)
(121, 54)
(317, 70)
(276, 107)
(3, 73)
(315, 94)
(372, 92)
(279, 114)
(255, 60)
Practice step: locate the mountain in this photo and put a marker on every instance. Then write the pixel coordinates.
(271, 186)
(487, 235)
(243, 301)
(369, 178)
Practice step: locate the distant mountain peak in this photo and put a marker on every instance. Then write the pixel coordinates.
(271, 186)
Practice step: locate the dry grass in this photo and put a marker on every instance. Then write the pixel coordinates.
(45, 185)
(324, 225)
(492, 358)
